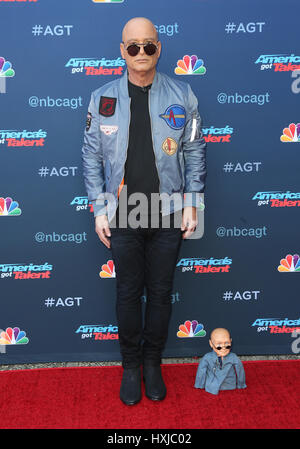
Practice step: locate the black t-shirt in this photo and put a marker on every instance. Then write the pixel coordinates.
(140, 168)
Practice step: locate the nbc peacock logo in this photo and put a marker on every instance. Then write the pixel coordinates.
(290, 264)
(13, 336)
(291, 134)
(108, 270)
(191, 329)
(9, 207)
(6, 71)
(190, 65)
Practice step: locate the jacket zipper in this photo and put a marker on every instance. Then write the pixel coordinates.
(127, 138)
(152, 138)
(126, 153)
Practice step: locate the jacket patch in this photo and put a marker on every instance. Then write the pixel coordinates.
(109, 129)
(174, 116)
(169, 146)
(107, 106)
(88, 121)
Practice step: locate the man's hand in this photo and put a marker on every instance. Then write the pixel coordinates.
(189, 221)
(102, 229)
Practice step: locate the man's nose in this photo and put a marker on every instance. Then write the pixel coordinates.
(142, 51)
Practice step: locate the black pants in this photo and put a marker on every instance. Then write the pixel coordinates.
(144, 258)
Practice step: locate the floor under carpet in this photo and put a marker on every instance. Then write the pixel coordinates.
(88, 398)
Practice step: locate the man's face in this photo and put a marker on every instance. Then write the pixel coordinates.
(140, 33)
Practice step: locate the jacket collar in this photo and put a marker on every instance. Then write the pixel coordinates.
(124, 83)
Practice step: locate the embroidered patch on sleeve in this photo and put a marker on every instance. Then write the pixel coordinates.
(169, 146)
(88, 121)
(107, 106)
(174, 116)
(109, 129)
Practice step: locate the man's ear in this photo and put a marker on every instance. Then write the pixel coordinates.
(210, 344)
(159, 48)
(122, 50)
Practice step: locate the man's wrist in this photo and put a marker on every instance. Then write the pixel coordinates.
(193, 199)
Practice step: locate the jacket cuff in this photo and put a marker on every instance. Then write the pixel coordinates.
(194, 199)
(99, 208)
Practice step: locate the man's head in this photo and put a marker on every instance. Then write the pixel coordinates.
(219, 340)
(140, 30)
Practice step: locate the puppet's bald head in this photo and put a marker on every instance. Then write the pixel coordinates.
(220, 333)
(220, 337)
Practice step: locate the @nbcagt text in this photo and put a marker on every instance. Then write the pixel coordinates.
(152, 438)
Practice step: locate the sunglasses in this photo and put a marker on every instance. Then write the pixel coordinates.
(220, 347)
(149, 49)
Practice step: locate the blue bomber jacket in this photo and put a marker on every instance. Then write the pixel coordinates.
(178, 144)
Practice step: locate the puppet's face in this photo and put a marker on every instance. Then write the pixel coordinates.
(221, 343)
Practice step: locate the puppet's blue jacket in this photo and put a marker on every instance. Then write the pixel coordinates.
(212, 377)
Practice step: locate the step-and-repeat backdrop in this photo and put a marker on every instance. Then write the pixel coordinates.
(57, 280)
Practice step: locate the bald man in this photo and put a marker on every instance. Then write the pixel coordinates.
(142, 139)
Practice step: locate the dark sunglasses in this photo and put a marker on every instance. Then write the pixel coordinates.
(149, 49)
(220, 347)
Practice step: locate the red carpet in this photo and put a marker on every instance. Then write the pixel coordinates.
(88, 398)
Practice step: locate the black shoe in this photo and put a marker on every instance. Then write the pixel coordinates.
(130, 391)
(154, 383)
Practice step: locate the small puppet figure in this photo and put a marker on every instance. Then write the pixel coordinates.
(220, 369)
